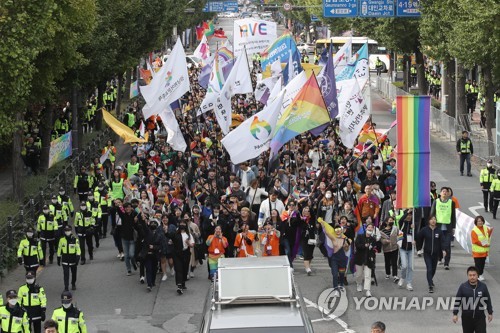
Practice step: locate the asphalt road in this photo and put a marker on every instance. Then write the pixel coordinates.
(113, 302)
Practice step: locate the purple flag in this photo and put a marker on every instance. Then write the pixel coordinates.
(328, 88)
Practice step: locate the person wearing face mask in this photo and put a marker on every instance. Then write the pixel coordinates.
(65, 201)
(47, 227)
(102, 196)
(68, 317)
(58, 211)
(364, 259)
(183, 242)
(95, 208)
(406, 227)
(217, 245)
(153, 244)
(495, 193)
(82, 184)
(116, 185)
(389, 239)
(30, 252)
(68, 255)
(13, 318)
(84, 224)
(34, 301)
(486, 177)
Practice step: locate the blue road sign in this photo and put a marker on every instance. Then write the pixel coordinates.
(214, 7)
(340, 8)
(408, 8)
(314, 18)
(231, 6)
(376, 8)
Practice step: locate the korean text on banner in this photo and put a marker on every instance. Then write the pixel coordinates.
(60, 149)
(253, 34)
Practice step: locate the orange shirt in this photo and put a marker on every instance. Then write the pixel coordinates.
(242, 246)
(217, 246)
(271, 243)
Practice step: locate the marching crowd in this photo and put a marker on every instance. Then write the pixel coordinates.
(177, 212)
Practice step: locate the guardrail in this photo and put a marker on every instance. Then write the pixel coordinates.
(12, 232)
(449, 128)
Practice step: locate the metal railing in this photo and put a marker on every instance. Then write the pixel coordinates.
(12, 232)
(448, 128)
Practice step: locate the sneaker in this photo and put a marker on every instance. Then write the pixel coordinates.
(191, 275)
(446, 267)
(141, 280)
(359, 288)
(184, 287)
(187, 277)
(119, 255)
(129, 273)
(481, 278)
(441, 262)
(419, 253)
(387, 277)
(179, 291)
(395, 279)
(401, 282)
(164, 277)
(300, 257)
(336, 293)
(308, 271)
(172, 272)
(134, 265)
(431, 290)
(73, 287)
(368, 293)
(341, 288)
(409, 287)
(149, 289)
(452, 244)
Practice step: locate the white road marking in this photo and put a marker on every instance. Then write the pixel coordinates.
(337, 319)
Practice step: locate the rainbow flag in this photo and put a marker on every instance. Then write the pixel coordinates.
(414, 151)
(209, 29)
(307, 111)
(225, 54)
(196, 155)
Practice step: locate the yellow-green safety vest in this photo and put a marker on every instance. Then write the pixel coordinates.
(443, 211)
(12, 324)
(117, 190)
(66, 323)
(483, 238)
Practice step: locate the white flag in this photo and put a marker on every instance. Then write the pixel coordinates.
(276, 90)
(104, 156)
(175, 138)
(354, 116)
(238, 82)
(171, 81)
(276, 68)
(215, 84)
(343, 57)
(253, 136)
(293, 87)
(202, 51)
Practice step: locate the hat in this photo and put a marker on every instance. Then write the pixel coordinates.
(45, 207)
(53, 196)
(341, 167)
(490, 161)
(66, 297)
(67, 228)
(61, 188)
(11, 293)
(30, 275)
(152, 153)
(118, 167)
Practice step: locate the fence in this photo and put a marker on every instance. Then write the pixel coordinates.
(448, 128)
(12, 232)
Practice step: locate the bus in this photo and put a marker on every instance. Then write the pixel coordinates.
(374, 49)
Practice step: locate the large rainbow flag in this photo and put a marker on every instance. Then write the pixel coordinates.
(414, 151)
(307, 111)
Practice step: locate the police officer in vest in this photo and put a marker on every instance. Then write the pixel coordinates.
(443, 209)
(102, 196)
(67, 204)
(84, 224)
(82, 184)
(495, 193)
(68, 317)
(47, 229)
(34, 301)
(13, 318)
(486, 179)
(57, 210)
(94, 206)
(413, 74)
(30, 251)
(465, 150)
(68, 255)
(379, 65)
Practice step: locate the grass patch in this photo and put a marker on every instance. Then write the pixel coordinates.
(398, 84)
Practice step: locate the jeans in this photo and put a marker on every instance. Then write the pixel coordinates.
(465, 158)
(364, 276)
(391, 262)
(431, 262)
(406, 265)
(288, 250)
(129, 251)
(338, 263)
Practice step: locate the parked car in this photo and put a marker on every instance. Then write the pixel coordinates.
(307, 47)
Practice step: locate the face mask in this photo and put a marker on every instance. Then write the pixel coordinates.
(101, 188)
(153, 227)
(182, 227)
(62, 192)
(54, 201)
(83, 208)
(66, 305)
(91, 198)
(30, 281)
(369, 233)
(29, 234)
(391, 224)
(328, 196)
(12, 301)
(67, 233)
(45, 211)
(488, 165)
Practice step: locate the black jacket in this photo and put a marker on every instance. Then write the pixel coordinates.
(365, 255)
(405, 227)
(467, 300)
(432, 239)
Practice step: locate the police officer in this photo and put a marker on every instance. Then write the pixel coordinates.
(495, 193)
(82, 184)
(486, 179)
(30, 251)
(13, 318)
(465, 150)
(65, 201)
(68, 317)
(34, 301)
(379, 66)
(95, 208)
(102, 196)
(47, 229)
(68, 255)
(84, 224)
